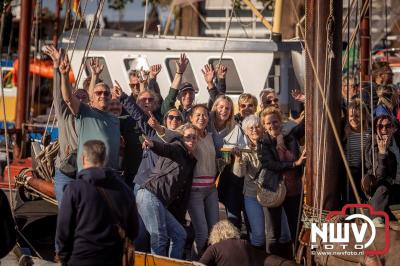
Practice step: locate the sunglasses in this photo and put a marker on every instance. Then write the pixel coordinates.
(176, 117)
(275, 100)
(150, 100)
(99, 93)
(190, 137)
(243, 106)
(386, 126)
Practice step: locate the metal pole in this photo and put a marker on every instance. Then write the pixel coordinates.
(23, 72)
(57, 23)
(277, 21)
(145, 19)
(364, 43)
(255, 11)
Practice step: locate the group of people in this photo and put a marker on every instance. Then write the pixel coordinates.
(168, 163)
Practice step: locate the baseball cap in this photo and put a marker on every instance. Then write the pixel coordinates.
(186, 86)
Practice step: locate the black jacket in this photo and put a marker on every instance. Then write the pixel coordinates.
(172, 176)
(85, 231)
(385, 164)
(269, 158)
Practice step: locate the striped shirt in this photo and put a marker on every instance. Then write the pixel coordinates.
(353, 148)
(206, 168)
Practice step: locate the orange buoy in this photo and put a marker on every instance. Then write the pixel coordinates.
(42, 68)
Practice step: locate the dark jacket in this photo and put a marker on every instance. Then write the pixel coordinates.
(132, 153)
(385, 164)
(269, 158)
(148, 159)
(233, 252)
(171, 179)
(86, 234)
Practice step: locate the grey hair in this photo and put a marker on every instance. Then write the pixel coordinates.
(249, 121)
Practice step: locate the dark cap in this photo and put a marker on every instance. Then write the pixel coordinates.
(186, 86)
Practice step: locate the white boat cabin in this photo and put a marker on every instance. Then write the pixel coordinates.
(253, 64)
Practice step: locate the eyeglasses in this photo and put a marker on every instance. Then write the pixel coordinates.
(269, 101)
(144, 99)
(386, 126)
(104, 93)
(243, 106)
(190, 137)
(176, 117)
(254, 128)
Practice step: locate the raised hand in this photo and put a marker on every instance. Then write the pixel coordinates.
(208, 73)
(302, 158)
(116, 90)
(181, 64)
(95, 67)
(65, 66)
(148, 143)
(298, 95)
(51, 51)
(221, 71)
(383, 143)
(154, 70)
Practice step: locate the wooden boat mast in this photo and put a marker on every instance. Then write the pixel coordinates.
(365, 40)
(25, 24)
(323, 157)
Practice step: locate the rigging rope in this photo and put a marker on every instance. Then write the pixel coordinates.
(227, 34)
(89, 41)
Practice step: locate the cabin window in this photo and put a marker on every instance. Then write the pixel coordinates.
(136, 63)
(104, 75)
(233, 83)
(188, 76)
(274, 77)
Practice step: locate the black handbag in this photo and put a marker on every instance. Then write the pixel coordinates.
(68, 166)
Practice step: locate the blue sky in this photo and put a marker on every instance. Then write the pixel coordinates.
(133, 11)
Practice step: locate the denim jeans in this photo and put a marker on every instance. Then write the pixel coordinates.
(256, 218)
(142, 241)
(274, 220)
(204, 214)
(167, 235)
(61, 181)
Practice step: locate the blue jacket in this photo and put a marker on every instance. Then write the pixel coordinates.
(86, 234)
(149, 158)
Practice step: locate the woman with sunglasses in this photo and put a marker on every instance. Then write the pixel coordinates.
(168, 184)
(150, 127)
(383, 174)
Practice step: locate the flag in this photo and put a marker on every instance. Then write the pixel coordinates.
(76, 7)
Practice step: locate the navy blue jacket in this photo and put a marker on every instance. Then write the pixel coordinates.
(86, 234)
(171, 178)
(149, 158)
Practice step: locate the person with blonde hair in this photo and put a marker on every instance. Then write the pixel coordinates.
(226, 248)
(247, 104)
(281, 162)
(228, 134)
